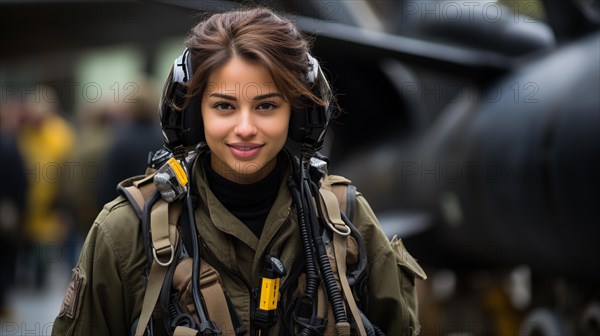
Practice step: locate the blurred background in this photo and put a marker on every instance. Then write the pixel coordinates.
(472, 127)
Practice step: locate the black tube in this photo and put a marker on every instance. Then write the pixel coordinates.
(311, 288)
(196, 262)
(311, 276)
(333, 292)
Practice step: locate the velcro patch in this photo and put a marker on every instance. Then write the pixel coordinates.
(71, 300)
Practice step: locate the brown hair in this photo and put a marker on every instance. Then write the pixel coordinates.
(256, 35)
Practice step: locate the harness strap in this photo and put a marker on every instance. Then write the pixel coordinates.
(331, 206)
(212, 292)
(155, 281)
(322, 307)
(342, 196)
(137, 190)
(331, 209)
(136, 199)
(184, 331)
(339, 245)
(163, 218)
(159, 229)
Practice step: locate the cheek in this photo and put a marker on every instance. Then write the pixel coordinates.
(279, 126)
(277, 133)
(213, 128)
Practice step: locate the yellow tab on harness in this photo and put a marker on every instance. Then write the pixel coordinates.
(269, 294)
(179, 172)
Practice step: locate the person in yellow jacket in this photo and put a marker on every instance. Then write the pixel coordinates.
(252, 76)
(46, 141)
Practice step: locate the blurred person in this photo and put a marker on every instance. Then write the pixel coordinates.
(45, 140)
(136, 134)
(254, 240)
(94, 125)
(12, 199)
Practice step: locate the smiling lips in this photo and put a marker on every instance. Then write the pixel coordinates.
(244, 150)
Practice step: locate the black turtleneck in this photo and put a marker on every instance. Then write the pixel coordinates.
(250, 203)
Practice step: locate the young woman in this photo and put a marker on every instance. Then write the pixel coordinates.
(274, 253)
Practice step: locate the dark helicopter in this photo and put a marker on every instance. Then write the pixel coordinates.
(477, 138)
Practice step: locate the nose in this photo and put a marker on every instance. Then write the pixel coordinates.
(245, 127)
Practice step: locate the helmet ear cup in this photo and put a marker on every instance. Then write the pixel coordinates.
(181, 127)
(308, 124)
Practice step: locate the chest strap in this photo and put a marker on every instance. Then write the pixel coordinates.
(212, 293)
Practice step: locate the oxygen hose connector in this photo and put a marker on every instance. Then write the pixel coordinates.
(171, 180)
(266, 314)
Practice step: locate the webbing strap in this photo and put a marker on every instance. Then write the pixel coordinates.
(143, 181)
(161, 227)
(161, 244)
(339, 245)
(332, 215)
(184, 331)
(329, 202)
(343, 328)
(340, 193)
(137, 196)
(155, 281)
(213, 295)
(322, 302)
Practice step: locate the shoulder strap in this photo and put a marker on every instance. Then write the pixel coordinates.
(164, 243)
(341, 187)
(332, 211)
(139, 190)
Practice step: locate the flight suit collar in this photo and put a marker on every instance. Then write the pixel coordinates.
(215, 223)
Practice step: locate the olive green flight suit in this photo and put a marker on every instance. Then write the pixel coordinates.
(106, 292)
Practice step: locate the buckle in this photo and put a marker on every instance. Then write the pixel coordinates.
(171, 249)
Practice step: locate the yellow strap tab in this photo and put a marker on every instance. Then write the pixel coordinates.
(179, 172)
(269, 293)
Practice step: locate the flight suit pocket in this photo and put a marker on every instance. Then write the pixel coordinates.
(408, 271)
(406, 261)
(75, 290)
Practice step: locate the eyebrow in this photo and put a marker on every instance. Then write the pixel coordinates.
(257, 98)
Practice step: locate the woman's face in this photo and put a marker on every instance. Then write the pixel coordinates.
(245, 120)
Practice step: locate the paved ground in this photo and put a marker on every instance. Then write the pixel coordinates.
(34, 310)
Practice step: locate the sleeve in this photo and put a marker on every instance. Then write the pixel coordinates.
(392, 303)
(97, 301)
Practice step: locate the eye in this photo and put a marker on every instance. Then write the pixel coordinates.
(223, 106)
(266, 106)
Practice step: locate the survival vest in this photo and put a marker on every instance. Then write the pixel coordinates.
(169, 274)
